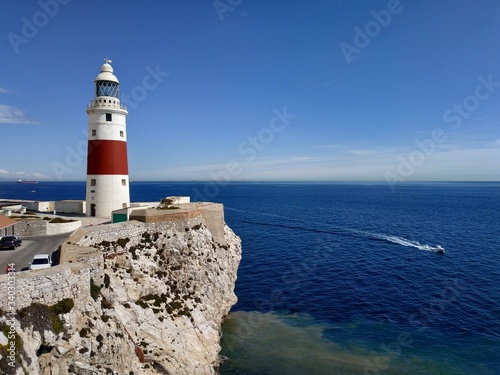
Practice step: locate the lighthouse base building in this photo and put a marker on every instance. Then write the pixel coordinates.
(107, 166)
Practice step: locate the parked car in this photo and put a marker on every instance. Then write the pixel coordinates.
(10, 242)
(41, 261)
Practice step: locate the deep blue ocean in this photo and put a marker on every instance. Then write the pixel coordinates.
(339, 278)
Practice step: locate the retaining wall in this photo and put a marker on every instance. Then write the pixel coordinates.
(44, 228)
(47, 286)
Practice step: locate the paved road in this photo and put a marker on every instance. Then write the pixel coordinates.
(23, 254)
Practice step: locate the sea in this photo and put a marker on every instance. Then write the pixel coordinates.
(341, 278)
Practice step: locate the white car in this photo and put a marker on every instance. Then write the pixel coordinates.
(41, 261)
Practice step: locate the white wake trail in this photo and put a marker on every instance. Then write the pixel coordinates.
(406, 242)
(399, 241)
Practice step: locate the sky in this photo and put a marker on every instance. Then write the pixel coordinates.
(232, 90)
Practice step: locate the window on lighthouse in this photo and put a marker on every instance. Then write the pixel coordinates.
(107, 88)
(108, 117)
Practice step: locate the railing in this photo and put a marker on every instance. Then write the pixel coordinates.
(105, 103)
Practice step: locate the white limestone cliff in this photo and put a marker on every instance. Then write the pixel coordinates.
(164, 292)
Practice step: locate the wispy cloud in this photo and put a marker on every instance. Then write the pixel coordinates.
(5, 174)
(471, 160)
(13, 115)
(3, 91)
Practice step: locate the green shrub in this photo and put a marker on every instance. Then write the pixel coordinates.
(123, 242)
(168, 208)
(57, 325)
(42, 317)
(59, 220)
(5, 367)
(63, 306)
(105, 303)
(84, 332)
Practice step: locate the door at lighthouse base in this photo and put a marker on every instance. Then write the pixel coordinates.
(92, 209)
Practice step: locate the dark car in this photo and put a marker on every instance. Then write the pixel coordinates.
(10, 242)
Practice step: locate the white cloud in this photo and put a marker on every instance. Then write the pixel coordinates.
(13, 115)
(3, 91)
(21, 174)
(447, 161)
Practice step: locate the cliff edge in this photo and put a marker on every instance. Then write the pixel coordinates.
(158, 295)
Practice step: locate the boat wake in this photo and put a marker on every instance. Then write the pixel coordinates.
(347, 232)
(408, 243)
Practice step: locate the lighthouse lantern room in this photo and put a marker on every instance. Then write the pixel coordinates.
(107, 167)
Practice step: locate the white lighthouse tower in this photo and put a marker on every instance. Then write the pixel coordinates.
(107, 166)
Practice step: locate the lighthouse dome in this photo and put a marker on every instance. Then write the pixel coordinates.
(106, 74)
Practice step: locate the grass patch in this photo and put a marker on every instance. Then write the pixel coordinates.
(42, 317)
(5, 367)
(60, 220)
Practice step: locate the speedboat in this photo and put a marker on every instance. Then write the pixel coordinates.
(438, 249)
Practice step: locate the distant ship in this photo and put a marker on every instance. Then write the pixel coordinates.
(26, 182)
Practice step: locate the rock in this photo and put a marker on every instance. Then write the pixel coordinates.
(3, 340)
(159, 311)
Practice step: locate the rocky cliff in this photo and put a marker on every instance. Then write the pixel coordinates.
(158, 298)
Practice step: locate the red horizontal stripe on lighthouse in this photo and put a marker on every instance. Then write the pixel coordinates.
(107, 157)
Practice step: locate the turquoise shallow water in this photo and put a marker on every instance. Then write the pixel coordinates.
(339, 279)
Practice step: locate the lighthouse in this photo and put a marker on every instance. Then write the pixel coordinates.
(107, 167)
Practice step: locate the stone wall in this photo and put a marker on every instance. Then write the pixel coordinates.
(60, 228)
(90, 256)
(70, 207)
(31, 228)
(48, 286)
(210, 214)
(44, 228)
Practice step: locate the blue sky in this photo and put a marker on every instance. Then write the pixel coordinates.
(257, 90)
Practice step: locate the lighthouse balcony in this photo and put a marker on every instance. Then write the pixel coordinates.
(106, 103)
